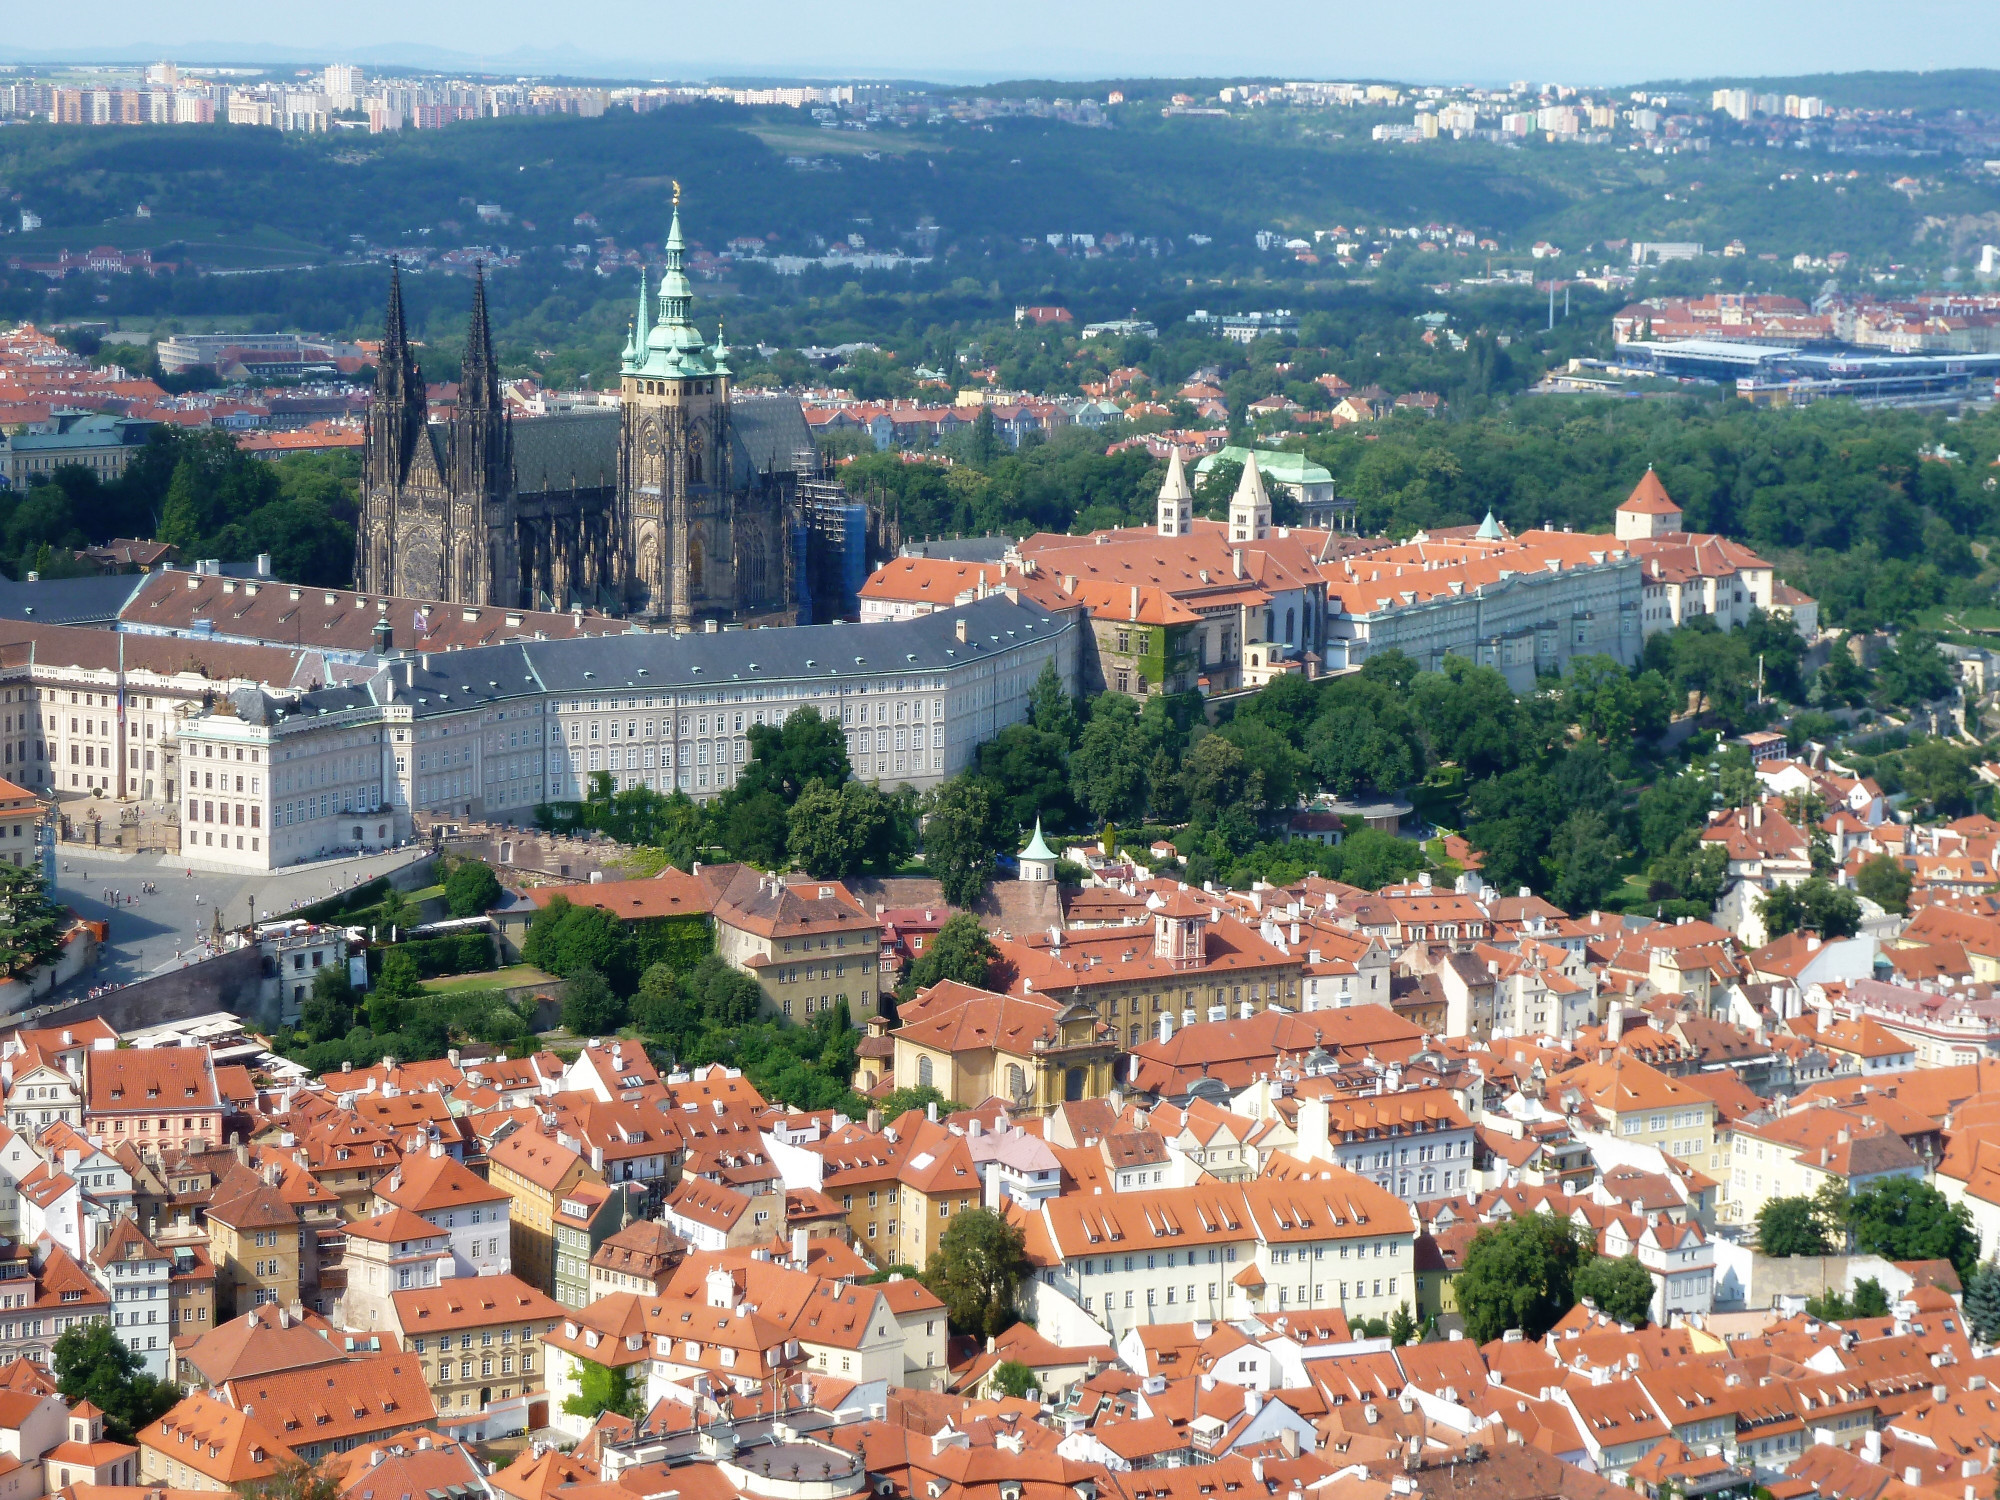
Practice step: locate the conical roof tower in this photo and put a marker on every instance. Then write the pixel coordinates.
(668, 344)
(1176, 513)
(1250, 506)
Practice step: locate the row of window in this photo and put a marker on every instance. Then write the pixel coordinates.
(204, 812)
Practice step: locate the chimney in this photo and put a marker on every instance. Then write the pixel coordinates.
(961, 629)
(1135, 601)
(1236, 562)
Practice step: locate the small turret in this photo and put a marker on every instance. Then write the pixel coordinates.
(1038, 860)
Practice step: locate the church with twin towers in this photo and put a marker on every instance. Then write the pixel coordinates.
(677, 508)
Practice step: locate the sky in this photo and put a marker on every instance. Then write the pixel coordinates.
(1464, 41)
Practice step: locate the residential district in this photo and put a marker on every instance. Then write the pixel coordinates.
(344, 96)
(1238, 1134)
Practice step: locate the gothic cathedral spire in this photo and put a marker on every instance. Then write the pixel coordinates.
(397, 375)
(479, 377)
(398, 411)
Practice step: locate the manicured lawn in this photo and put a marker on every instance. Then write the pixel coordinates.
(492, 979)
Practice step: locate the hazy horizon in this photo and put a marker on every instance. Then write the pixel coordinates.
(1455, 41)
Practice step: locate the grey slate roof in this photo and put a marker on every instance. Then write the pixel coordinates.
(770, 432)
(69, 601)
(972, 549)
(550, 452)
(451, 681)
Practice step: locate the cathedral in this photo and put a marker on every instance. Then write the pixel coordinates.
(682, 506)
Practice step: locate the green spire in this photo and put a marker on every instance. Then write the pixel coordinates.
(666, 342)
(1038, 847)
(718, 357)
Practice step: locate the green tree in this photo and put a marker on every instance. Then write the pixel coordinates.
(662, 1007)
(783, 759)
(958, 841)
(1736, 778)
(589, 1007)
(605, 1388)
(1402, 1326)
(724, 996)
(1519, 1274)
(959, 951)
(1585, 853)
(1371, 858)
(1885, 882)
(980, 1261)
(1914, 672)
(1671, 807)
(400, 978)
(1815, 905)
(1026, 772)
(1275, 769)
(1108, 768)
(1692, 870)
(564, 937)
(1842, 682)
(1905, 1218)
(1621, 1289)
(1614, 706)
(472, 889)
(294, 1481)
(31, 924)
(1012, 1379)
(92, 1363)
(395, 914)
(1222, 793)
(1792, 1226)
(899, 1102)
(837, 830)
(1050, 707)
(1982, 1302)
(821, 842)
(1940, 773)
(1870, 1300)
(328, 1012)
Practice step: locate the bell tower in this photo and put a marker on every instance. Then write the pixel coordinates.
(396, 418)
(1250, 506)
(674, 452)
(482, 568)
(1176, 499)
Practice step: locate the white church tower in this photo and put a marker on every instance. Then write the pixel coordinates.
(1249, 507)
(1176, 499)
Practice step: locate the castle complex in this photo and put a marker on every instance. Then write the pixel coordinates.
(679, 507)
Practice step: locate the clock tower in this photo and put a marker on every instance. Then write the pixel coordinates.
(674, 470)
